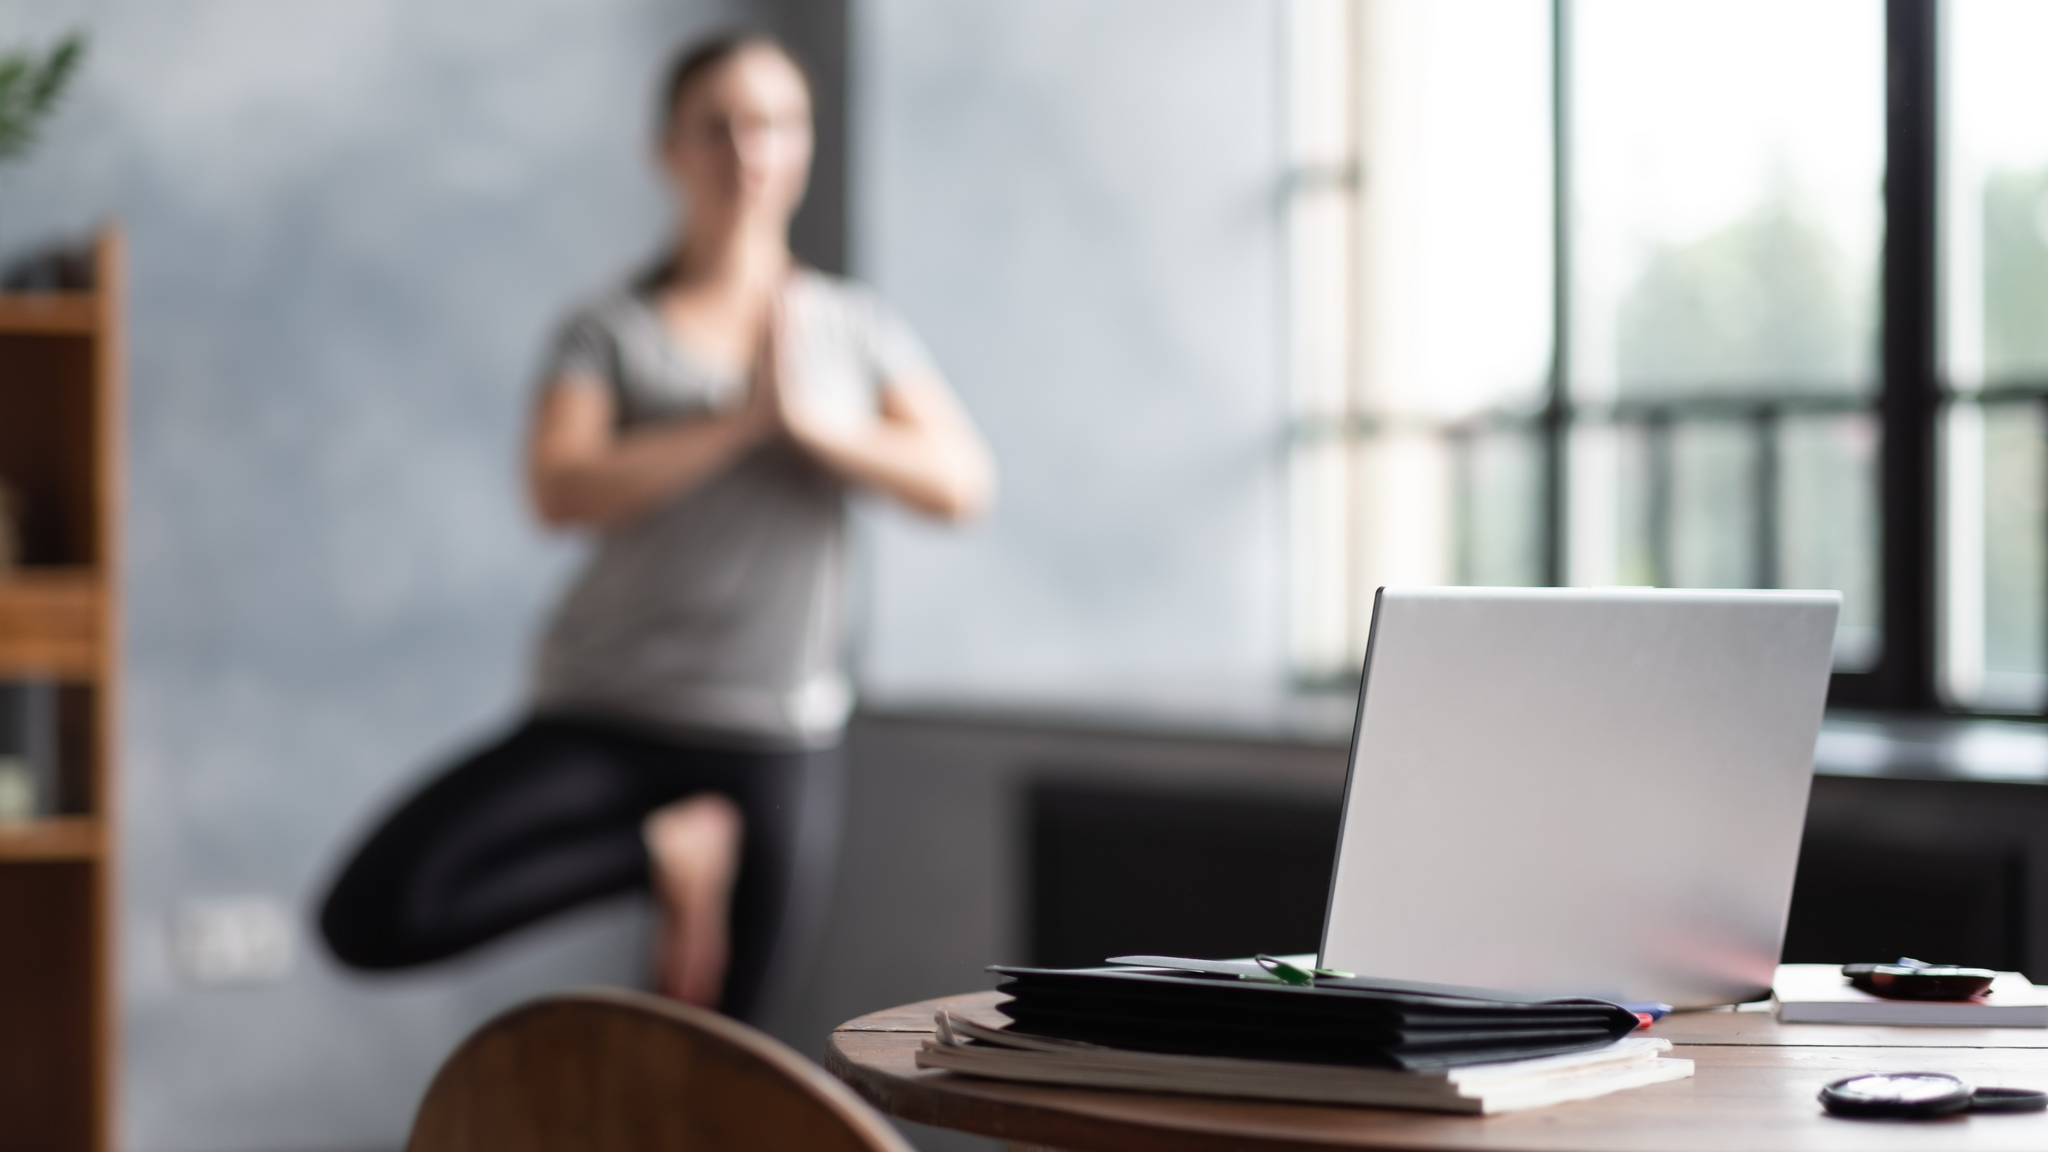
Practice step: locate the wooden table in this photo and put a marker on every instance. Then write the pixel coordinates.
(1753, 1092)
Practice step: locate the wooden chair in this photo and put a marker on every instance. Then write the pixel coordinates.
(616, 1071)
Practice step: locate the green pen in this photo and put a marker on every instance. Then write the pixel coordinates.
(1295, 974)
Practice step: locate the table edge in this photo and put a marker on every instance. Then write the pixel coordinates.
(958, 1106)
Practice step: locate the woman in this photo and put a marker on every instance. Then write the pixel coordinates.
(708, 421)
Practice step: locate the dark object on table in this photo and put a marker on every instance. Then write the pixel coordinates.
(60, 267)
(1922, 1096)
(1910, 979)
(1336, 1020)
(2008, 1100)
(1900, 1095)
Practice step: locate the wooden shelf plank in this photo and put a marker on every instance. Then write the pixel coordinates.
(50, 622)
(46, 578)
(61, 361)
(48, 313)
(53, 838)
(66, 662)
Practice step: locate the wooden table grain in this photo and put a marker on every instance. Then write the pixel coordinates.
(1754, 1090)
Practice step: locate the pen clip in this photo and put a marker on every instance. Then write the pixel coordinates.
(1285, 972)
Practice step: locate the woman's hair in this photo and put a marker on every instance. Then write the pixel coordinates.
(698, 58)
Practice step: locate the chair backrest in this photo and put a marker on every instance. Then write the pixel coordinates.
(616, 1071)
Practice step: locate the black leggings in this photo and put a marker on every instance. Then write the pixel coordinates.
(550, 817)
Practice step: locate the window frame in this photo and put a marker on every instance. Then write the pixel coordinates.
(1910, 395)
(1908, 404)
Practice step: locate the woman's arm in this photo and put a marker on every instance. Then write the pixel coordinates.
(921, 450)
(581, 471)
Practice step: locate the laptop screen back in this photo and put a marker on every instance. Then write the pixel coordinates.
(1580, 791)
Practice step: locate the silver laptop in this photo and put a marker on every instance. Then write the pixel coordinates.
(1580, 791)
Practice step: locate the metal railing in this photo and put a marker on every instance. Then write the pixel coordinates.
(1655, 425)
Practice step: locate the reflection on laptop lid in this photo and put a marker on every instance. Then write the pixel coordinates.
(1593, 791)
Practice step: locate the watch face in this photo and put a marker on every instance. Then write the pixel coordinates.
(1896, 1094)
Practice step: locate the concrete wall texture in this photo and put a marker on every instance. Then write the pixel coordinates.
(1078, 203)
(351, 223)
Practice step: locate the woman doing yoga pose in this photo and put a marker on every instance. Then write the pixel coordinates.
(707, 420)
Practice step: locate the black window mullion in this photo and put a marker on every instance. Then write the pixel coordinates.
(1909, 405)
(1909, 401)
(1557, 404)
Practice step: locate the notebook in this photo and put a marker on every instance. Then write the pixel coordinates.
(1367, 1023)
(965, 1047)
(1820, 994)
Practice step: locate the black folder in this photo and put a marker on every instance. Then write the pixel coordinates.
(1350, 1020)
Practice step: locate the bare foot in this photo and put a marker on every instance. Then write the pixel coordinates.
(696, 848)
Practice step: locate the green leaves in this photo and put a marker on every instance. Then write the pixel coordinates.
(29, 89)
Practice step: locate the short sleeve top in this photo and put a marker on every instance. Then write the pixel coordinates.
(721, 611)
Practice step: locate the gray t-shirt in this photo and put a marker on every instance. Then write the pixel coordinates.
(720, 611)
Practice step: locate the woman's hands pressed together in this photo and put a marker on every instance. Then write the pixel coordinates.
(920, 449)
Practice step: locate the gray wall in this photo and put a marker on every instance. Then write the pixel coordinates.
(1077, 203)
(351, 222)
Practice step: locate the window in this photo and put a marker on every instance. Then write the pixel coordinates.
(1421, 234)
(1648, 292)
(1724, 239)
(1995, 344)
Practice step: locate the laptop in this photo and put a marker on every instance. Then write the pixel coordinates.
(1580, 791)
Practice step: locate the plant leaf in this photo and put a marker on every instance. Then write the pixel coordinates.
(30, 89)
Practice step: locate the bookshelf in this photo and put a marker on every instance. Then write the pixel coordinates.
(60, 453)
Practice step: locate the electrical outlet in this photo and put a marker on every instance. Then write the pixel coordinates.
(232, 941)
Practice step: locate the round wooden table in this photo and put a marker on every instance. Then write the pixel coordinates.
(1754, 1090)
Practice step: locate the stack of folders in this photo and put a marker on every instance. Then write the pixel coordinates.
(1380, 1043)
